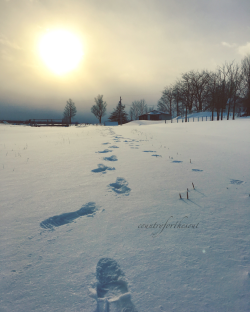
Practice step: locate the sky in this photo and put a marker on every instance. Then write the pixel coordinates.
(131, 49)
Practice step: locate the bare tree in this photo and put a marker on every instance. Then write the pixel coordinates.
(217, 91)
(134, 112)
(234, 86)
(229, 84)
(162, 104)
(177, 97)
(69, 111)
(187, 93)
(212, 93)
(165, 104)
(142, 107)
(245, 67)
(150, 108)
(131, 113)
(199, 81)
(222, 94)
(99, 109)
(138, 108)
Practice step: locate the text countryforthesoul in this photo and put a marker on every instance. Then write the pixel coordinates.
(161, 226)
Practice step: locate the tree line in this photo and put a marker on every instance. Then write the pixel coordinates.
(99, 110)
(225, 90)
(119, 114)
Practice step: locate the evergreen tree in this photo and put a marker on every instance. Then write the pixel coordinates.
(119, 114)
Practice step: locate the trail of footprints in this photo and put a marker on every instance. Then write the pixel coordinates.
(111, 292)
(87, 210)
(111, 158)
(232, 181)
(120, 186)
(105, 151)
(102, 168)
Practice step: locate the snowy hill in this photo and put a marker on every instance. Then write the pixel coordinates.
(92, 220)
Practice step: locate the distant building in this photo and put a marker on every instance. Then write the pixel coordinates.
(155, 115)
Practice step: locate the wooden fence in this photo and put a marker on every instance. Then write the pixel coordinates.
(47, 122)
(197, 119)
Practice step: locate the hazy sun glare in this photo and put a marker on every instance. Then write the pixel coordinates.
(61, 51)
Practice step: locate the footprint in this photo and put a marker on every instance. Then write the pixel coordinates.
(120, 186)
(149, 151)
(105, 151)
(157, 155)
(112, 288)
(87, 210)
(198, 170)
(114, 146)
(236, 181)
(102, 168)
(111, 158)
(176, 161)
(105, 143)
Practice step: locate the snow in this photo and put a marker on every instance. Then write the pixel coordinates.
(87, 230)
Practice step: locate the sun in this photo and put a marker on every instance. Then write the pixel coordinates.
(61, 51)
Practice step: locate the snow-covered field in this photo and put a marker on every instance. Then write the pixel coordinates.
(91, 217)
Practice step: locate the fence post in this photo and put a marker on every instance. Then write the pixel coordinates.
(198, 118)
(193, 119)
(188, 119)
(206, 118)
(202, 118)
(177, 120)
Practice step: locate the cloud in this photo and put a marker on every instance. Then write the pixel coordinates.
(4, 41)
(226, 44)
(244, 49)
